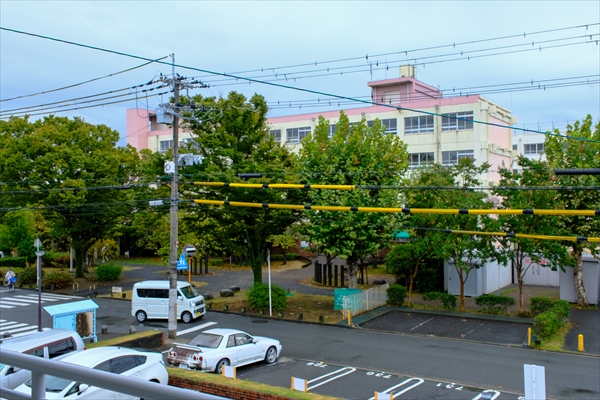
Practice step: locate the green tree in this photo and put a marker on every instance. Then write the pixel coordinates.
(232, 135)
(354, 155)
(70, 170)
(465, 252)
(285, 241)
(523, 252)
(577, 148)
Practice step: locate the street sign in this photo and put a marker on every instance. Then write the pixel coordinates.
(182, 264)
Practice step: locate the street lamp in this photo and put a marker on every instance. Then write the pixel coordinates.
(39, 253)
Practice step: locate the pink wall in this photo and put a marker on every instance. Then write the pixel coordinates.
(137, 127)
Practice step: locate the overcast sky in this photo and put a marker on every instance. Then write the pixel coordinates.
(496, 48)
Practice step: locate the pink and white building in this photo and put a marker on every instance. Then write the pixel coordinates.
(435, 128)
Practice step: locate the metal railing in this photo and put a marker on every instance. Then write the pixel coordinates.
(358, 303)
(93, 377)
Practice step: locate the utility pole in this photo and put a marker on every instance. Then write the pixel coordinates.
(168, 111)
(172, 325)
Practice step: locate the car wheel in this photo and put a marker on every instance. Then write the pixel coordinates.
(186, 317)
(222, 363)
(271, 355)
(141, 316)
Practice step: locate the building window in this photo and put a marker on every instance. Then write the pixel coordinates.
(165, 145)
(452, 157)
(515, 147)
(419, 159)
(457, 121)
(534, 148)
(295, 135)
(331, 130)
(391, 125)
(422, 124)
(276, 133)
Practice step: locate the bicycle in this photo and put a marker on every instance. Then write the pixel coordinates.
(11, 283)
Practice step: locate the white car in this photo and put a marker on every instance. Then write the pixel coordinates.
(215, 348)
(126, 362)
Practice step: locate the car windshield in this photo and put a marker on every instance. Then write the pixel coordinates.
(54, 384)
(209, 340)
(189, 292)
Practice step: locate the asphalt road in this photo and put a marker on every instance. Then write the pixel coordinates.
(436, 360)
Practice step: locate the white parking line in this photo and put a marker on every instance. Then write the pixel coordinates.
(196, 328)
(414, 385)
(477, 327)
(495, 394)
(348, 370)
(422, 323)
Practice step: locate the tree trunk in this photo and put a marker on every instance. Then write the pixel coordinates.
(284, 258)
(520, 282)
(411, 279)
(578, 274)
(79, 260)
(351, 266)
(462, 289)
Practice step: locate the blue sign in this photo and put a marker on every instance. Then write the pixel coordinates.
(182, 263)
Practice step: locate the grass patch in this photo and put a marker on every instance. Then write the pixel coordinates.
(243, 384)
(556, 342)
(314, 308)
(119, 340)
(143, 261)
(509, 291)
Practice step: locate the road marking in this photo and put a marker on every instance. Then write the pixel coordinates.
(348, 370)
(196, 328)
(422, 323)
(26, 300)
(5, 306)
(12, 303)
(18, 328)
(495, 392)
(414, 385)
(48, 297)
(477, 327)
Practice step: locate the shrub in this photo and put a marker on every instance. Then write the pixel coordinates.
(495, 304)
(546, 324)
(28, 276)
(435, 297)
(291, 256)
(396, 294)
(109, 272)
(215, 262)
(60, 280)
(449, 301)
(258, 298)
(13, 262)
(539, 305)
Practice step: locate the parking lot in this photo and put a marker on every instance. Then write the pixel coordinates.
(463, 328)
(356, 383)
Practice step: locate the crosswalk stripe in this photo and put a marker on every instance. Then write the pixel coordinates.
(49, 297)
(26, 300)
(24, 328)
(13, 303)
(4, 306)
(25, 333)
(13, 328)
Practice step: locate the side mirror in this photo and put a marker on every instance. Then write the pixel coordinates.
(254, 341)
(82, 388)
(179, 298)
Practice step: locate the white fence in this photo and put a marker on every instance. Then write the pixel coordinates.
(358, 303)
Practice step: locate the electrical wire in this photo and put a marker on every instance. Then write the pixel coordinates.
(405, 210)
(250, 81)
(82, 83)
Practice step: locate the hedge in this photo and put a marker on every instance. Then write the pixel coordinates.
(546, 324)
(494, 304)
(258, 297)
(539, 305)
(13, 262)
(396, 294)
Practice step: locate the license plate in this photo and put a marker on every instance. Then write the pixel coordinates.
(198, 314)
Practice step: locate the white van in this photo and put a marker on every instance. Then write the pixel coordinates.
(52, 343)
(150, 300)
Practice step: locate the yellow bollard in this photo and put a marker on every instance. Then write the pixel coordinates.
(528, 336)
(580, 342)
(349, 323)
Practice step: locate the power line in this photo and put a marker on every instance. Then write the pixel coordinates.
(251, 80)
(81, 83)
(404, 210)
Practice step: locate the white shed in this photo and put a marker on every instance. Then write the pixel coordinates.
(591, 281)
(488, 278)
(538, 274)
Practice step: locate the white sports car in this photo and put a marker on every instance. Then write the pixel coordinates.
(214, 348)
